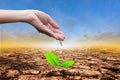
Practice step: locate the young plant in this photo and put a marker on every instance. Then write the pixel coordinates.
(54, 60)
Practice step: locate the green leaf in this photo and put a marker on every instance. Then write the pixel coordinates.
(52, 59)
(67, 63)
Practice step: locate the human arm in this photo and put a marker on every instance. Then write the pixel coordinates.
(40, 20)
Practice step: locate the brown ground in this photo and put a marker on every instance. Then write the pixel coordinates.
(30, 64)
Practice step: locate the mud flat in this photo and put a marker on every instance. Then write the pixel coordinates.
(30, 64)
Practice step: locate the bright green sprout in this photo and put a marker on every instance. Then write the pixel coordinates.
(54, 60)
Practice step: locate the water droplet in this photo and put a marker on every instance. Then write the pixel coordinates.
(60, 50)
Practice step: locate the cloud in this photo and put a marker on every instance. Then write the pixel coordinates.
(107, 36)
(102, 37)
(26, 37)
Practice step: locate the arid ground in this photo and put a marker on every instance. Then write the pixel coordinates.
(30, 64)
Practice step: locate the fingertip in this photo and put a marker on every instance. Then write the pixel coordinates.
(61, 38)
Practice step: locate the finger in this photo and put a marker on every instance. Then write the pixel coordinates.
(40, 26)
(53, 23)
(59, 33)
(44, 29)
(55, 30)
(56, 35)
(48, 32)
(60, 36)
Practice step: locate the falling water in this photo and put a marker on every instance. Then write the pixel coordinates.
(61, 45)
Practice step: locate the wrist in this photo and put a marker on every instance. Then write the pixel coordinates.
(28, 16)
(24, 15)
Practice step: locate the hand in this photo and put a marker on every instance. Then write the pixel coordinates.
(45, 24)
(40, 20)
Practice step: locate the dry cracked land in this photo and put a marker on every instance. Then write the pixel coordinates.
(30, 64)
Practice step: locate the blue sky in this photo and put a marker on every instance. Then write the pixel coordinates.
(75, 17)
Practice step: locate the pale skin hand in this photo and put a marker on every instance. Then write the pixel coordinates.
(40, 20)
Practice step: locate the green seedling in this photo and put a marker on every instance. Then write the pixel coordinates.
(54, 60)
